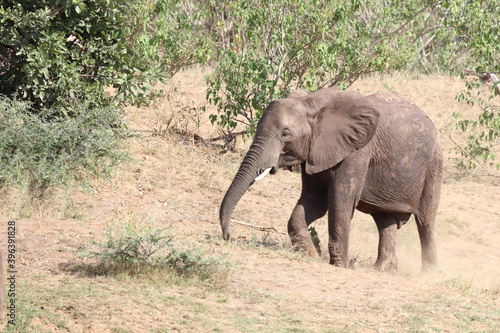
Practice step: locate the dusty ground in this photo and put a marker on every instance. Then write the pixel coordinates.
(270, 288)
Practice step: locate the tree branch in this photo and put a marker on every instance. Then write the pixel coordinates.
(484, 77)
(258, 227)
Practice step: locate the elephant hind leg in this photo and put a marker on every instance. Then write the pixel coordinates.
(387, 225)
(426, 214)
(425, 225)
(425, 219)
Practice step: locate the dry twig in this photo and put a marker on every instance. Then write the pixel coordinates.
(258, 227)
(485, 77)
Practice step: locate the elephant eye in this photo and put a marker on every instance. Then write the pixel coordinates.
(286, 133)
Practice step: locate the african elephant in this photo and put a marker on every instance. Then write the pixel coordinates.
(378, 154)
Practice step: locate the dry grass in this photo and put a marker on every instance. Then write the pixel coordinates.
(271, 288)
(20, 202)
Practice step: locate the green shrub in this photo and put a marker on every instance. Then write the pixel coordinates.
(49, 148)
(279, 46)
(170, 34)
(482, 133)
(57, 57)
(131, 242)
(137, 246)
(478, 32)
(55, 51)
(57, 124)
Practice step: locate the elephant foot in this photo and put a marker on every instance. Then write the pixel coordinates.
(337, 263)
(338, 254)
(307, 248)
(309, 252)
(390, 266)
(428, 267)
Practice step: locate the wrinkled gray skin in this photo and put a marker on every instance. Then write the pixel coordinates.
(378, 154)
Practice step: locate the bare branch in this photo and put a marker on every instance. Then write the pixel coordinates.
(472, 158)
(258, 227)
(425, 44)
(484, 77)
(222, 137)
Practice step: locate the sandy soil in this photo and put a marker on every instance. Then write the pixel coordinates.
(181, 184)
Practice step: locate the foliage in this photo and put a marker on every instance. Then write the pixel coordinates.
(59, 57)
(279, 46)
(451, 36)
(134, 241)
(478, 32)
(55, 51)
(314, 235)
(477, 28)
(40, 152)
(483, 133)
(169, 34)
(136, 245)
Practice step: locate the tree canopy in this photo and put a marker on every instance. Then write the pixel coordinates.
(58, 59)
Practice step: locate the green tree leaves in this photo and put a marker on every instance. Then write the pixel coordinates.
(60, 57)
(90, 143)
(477, 28)
(55, 53)
(482, 133)
(280, 46)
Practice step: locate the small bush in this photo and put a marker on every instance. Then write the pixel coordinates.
(314, 235)
(132, 242)
(482, 132)
(136, 247)
(49, 148)
(60, 57)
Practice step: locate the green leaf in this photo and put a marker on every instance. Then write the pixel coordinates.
(45, 72)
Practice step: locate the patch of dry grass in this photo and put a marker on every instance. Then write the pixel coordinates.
(20, 202)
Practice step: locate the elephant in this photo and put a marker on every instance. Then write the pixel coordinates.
(378, 154)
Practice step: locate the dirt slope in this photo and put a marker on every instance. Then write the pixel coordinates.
(270, 289)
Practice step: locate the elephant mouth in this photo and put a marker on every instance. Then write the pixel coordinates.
(283, 161)
(290, 159)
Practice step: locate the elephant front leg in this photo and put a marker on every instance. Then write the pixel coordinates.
(299, 235)
(305, 212)
(343, 196)
(338, 243)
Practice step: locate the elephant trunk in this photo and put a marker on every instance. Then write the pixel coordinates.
(254, 165)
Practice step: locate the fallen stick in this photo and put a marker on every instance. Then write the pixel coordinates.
(488, 225)
(258, 227)
(221, 137)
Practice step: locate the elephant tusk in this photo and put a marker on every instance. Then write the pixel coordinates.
(263, 174)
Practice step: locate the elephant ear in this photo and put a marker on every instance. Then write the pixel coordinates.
(344, 122)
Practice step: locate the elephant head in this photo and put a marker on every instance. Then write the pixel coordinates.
(319, 129)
